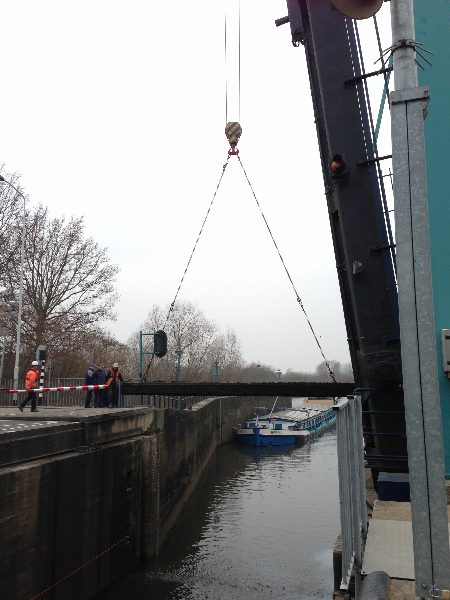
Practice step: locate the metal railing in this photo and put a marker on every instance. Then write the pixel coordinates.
(69, 398)
(352, 489)
(77, 398)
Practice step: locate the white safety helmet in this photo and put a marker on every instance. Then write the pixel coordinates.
(35, 363)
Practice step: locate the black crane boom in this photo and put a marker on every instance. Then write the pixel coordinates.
(362, 250)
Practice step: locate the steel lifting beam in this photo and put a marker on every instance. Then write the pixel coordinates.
(287, 389)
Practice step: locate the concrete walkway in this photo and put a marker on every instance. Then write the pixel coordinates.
(389, 545)
(29, 435)
(65, 413)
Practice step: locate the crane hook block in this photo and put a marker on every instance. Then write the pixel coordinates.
(233, 131)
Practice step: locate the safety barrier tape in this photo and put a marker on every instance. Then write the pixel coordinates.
(70, 388)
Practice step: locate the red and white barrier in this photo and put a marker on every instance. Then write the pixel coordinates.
(71, 388)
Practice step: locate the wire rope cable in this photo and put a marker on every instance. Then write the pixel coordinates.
(227, 22)
(299, 300)
(226, 78)
(172, 305)
(239, 88)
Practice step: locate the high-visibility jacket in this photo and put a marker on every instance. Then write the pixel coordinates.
(114, 377)
(31, 379)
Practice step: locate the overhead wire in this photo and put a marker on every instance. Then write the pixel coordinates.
(226, 62)
(226, 78)
(239, 87)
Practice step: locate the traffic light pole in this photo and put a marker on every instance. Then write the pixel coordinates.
(421, 392)
(2, 361)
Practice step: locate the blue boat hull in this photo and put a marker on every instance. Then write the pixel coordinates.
(257, 440)
(266, 436)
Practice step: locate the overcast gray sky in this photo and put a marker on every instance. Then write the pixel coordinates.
(115, 110)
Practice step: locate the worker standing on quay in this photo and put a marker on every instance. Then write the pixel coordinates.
(113, 380)
(90, 379)
(102, 395)
(31, 384)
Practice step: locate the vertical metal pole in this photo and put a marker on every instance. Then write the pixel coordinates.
(19, 311)
(141, 367)
(422, 406)
(178, 353)
(41, 381)
(360, 473)
(3, 357)
(141, 360)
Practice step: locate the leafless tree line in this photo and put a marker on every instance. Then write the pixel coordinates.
(68, 284)
(69, 292)
(197, 351)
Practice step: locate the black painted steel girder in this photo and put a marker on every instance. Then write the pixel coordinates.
(294, 389)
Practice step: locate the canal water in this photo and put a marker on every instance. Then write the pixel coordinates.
(260, 525)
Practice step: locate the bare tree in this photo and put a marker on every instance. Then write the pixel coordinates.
(69, 282)
(11, 211)
(194, 344)
(93, 346)
(226, 354)
(256, 372)
(342, 372)
(292, 375)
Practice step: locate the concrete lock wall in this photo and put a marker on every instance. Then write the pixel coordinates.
(76, 522)
(59, 513)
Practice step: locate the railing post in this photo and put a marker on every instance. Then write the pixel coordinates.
(352, 493)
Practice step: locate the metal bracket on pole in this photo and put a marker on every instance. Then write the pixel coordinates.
(412, 95)
(355, 80)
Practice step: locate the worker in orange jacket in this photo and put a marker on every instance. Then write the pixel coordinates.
(31, 383)
(113, 380)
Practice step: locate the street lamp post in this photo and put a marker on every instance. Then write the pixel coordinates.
(216, 371)
(178, 353)
(2, 360)
(19, 310)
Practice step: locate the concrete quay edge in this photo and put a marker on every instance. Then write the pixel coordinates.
(54, 430)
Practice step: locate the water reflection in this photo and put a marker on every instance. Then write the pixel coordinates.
(261, 521)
